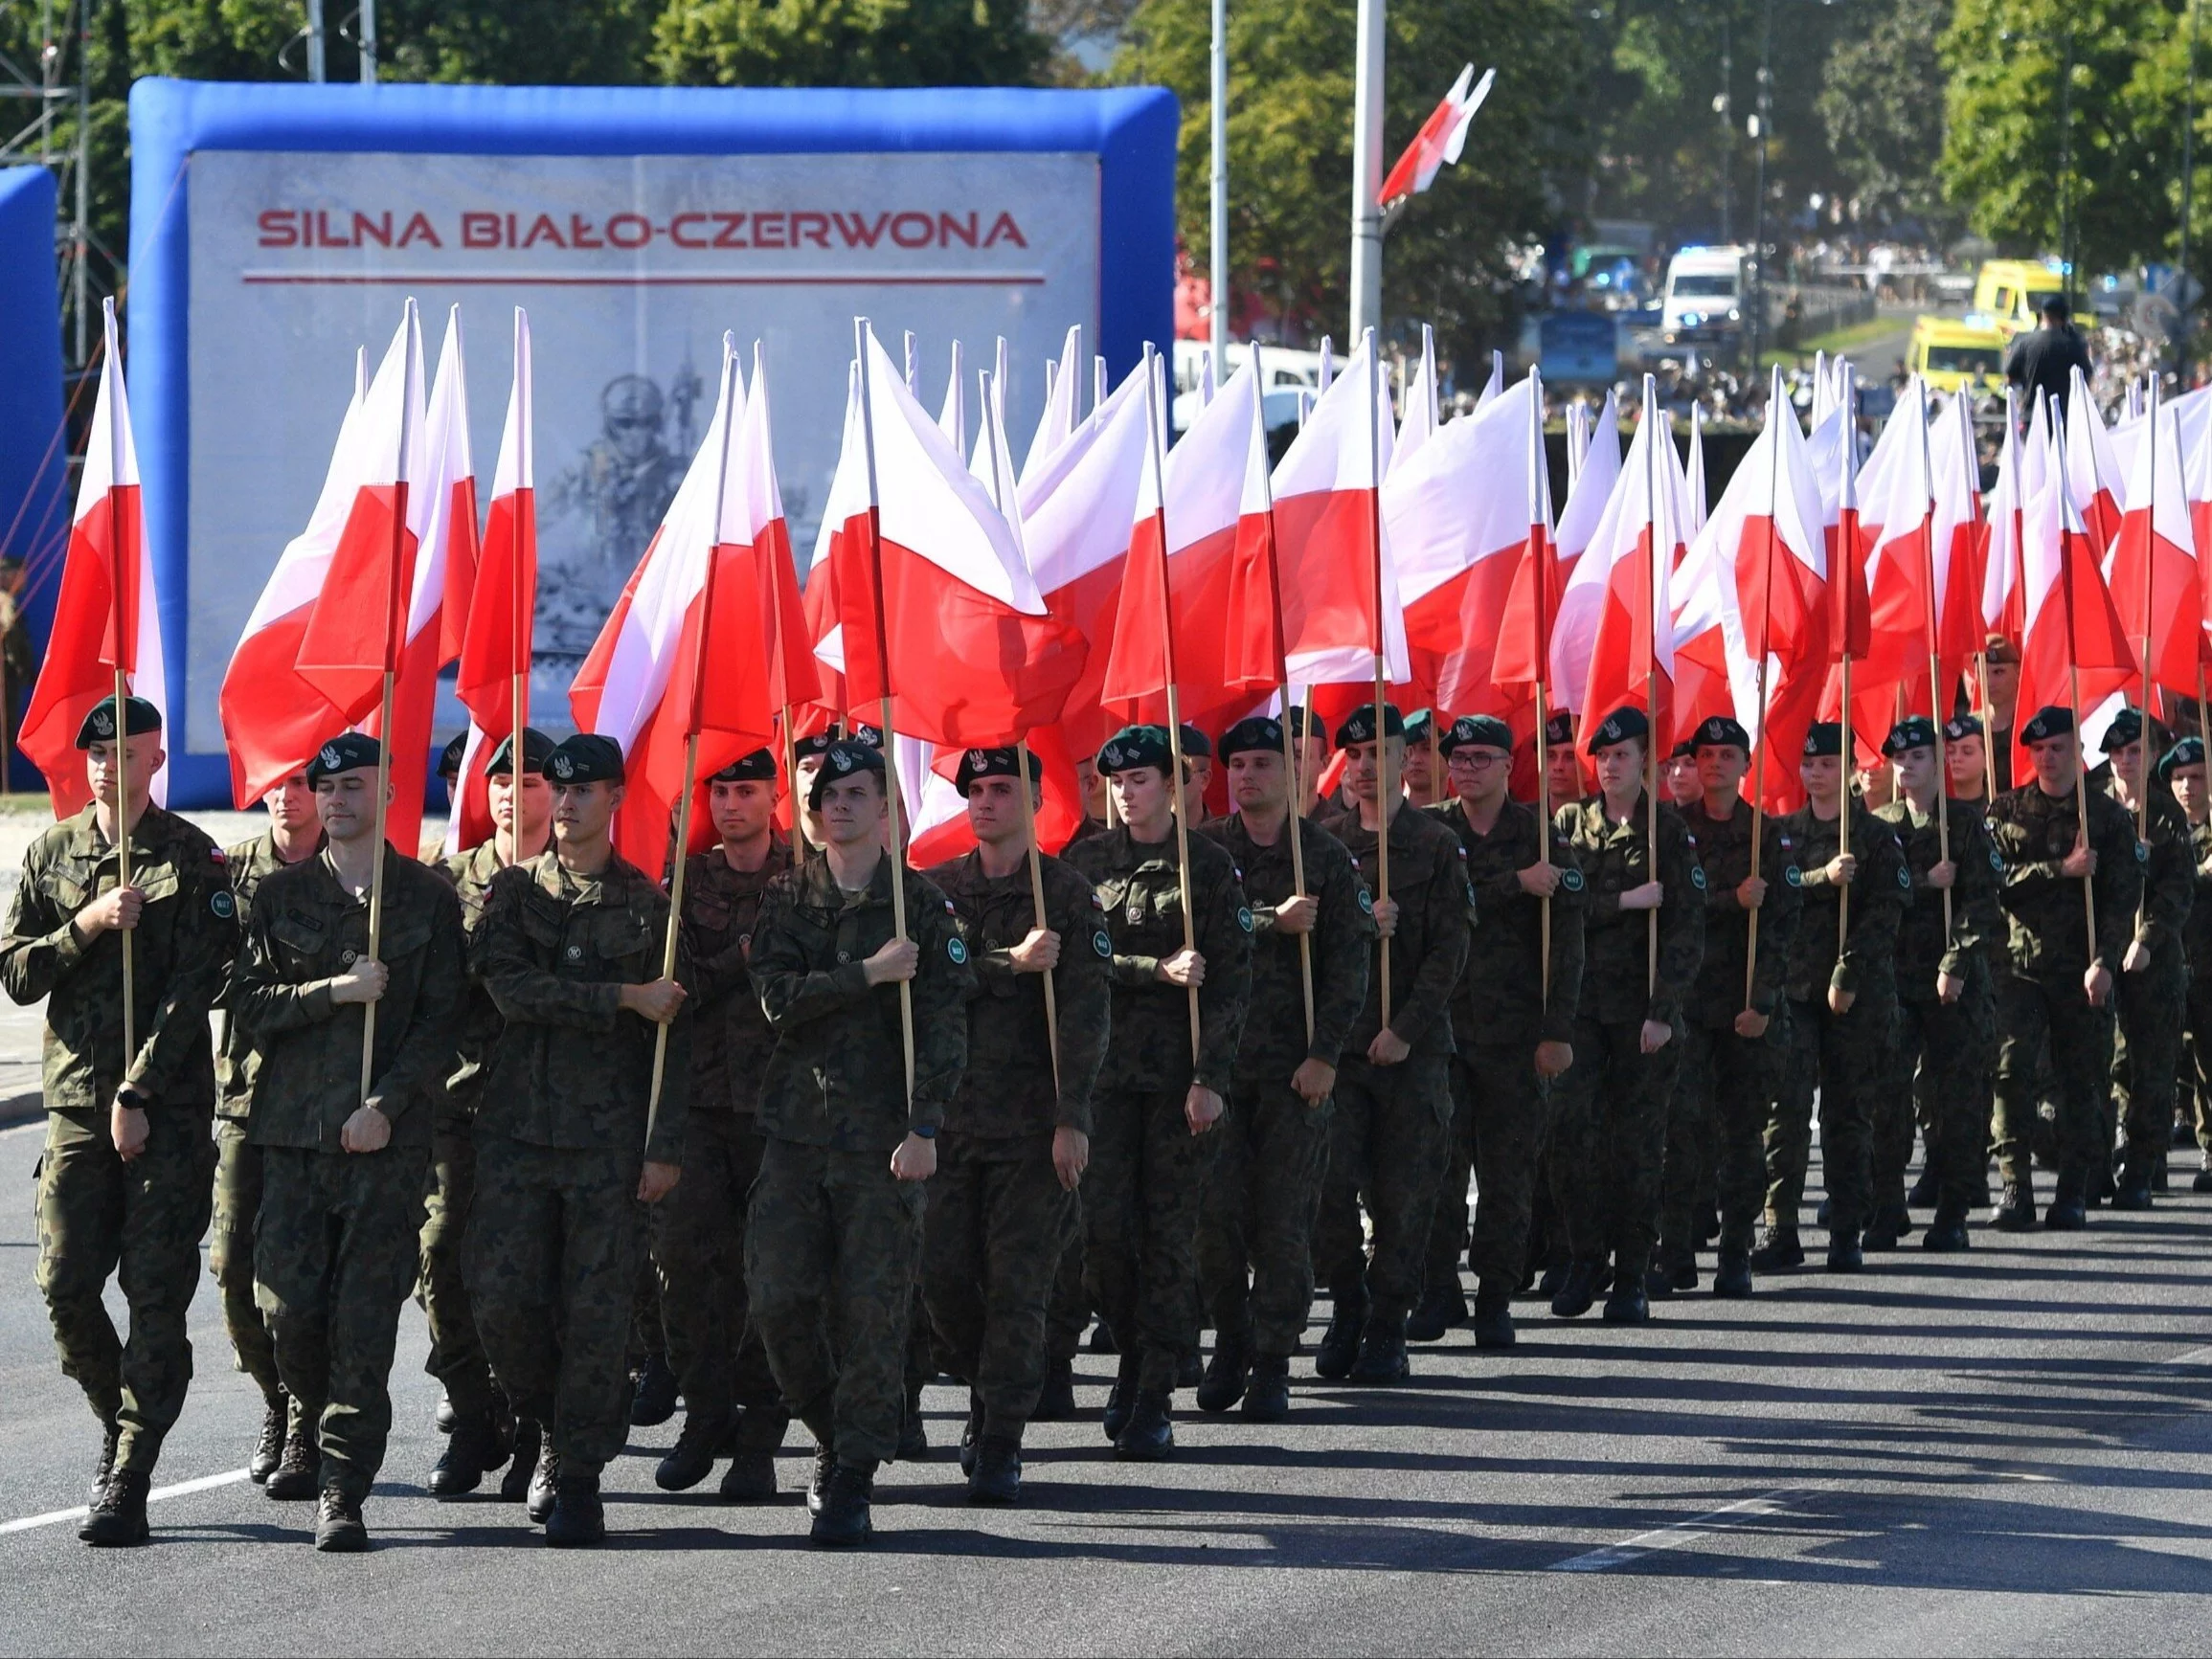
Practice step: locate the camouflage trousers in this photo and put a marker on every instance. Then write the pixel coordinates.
(334, 1258)
(1607, 1144)
(698, 1237)
(1387, 1137)
(1943, 1054)
(455, 1356)
(2031, 1013)
(831, 1240)
(555, 1243)
(1498, 1115)
(1851, 1059)
(2146, 1055)
(139, 1222)
(1068, 1311)
(1141, 1197)
(2200, 1006)
(238, 1206)
(1256, 1270)
(1716, 1123)
(991, 1240)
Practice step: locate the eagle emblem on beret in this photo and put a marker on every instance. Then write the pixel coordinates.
(330, 757)
(842, 760)
(563, 766)
(104, 722)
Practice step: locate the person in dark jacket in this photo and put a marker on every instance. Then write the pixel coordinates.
(2044, 359)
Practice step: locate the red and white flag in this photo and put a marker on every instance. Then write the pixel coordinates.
(2092, 474)
(1062, 409)
(1632, 561)
(108, 613)
(2151, 571)
(1419, 403)
(2003, 587)
(2071, 626)
(1575, 622)
(1442, 136)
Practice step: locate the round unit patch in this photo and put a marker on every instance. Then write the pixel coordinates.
(957, 949)
(1570, 879)
(1244, 918)
(1795, 876)
(1698, 877)
(1101, 944)
(222, 904)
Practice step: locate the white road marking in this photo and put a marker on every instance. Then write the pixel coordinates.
(1672, 1537)
(2194, 1356)
(183, 1488)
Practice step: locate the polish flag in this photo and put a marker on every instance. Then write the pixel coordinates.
(311, 661)
(1632, 559)
(821, 600)
(1574, 619)
(1057, 424)
(1442, 136)
(1902, 579)
(1419, 403)
(2093, 477)
(2151, 571)
(2071, 625)
(953, 413)
(108, 613)
(2003, 595)
(2199, 485)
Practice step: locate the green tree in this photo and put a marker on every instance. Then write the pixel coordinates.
(1882, 101)
(848, 43)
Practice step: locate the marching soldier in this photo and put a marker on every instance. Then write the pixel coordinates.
(2056, 981)
(1965, 755)
(1421, 782)
(2182, 769)
(1255, 1234)
(1512, 1029)
(1152, 1145)
(1393, 1116)
(125, 1180)
(2002, 660)
(1565, 781)
(1198, 773)
(337, 1248)
(1017, 1133)
(833, 1231)
(1608, 1137)
(1678, 778)
(570, 1154)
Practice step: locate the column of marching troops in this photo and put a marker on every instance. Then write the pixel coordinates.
(1175, 1076)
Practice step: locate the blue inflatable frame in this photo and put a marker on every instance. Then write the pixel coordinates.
(1131, 130)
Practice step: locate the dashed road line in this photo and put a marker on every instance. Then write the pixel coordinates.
(1672, 1537)
(182, 1488)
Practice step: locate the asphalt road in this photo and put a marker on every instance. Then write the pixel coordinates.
(2006, 1451)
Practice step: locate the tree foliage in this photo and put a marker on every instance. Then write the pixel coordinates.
(1881, 103)
(848, 43)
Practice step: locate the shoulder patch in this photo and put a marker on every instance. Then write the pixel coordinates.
(1570, 879)
(1101, 944)
(1996, 860)
(957, 949)
(1795, 876)
(216, 856)
(223, 903)
(1367, 902)
(2142, 853)
(1244, 917)
(1698, 877)
(1905, 879)
(1787, 843)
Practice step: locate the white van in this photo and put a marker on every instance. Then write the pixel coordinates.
(1708, 290)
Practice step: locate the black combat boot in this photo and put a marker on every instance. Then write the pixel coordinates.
(1267, 1392)
(298, 1475)
(1341, 1342)
(1493, 1317)
(1190, 1369)
(471, 1451)
(110, 1439)
(2068, 1211)
(971, 1432)
(1844, 1252)
(1123, 1400)
(514, 1484)
(1382, 1362)
(692, 1459)
(118, 1514)
(269, 1448)
(1926, 1191)
(752, 1445)
(1056, 1400)
(842, 1520)
(1103, 1339)
(1881, 1231)
(1626, 1304)
(2136, 1168)
(1577, 1290)
(1705, 1229)
(544, 1484)
(2201, 1181)
(578, 1516)
(1732, 1275)
(445, 1416)
(2015, 1211)
(1224, 1383)
(819, 1478)
(1778, 1249)
(996, 1480)
(1149, 1436)
(1946, 1231)
(913, 1441)
(1441, 1308)
(653, 1400)
(1547, 1286)
(339, 1529)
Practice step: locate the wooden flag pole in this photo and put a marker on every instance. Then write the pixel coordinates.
(1167, 666)
(1843, 805)
(1934, 660)
(1774, 403)
(518, 693)
(791, 772)
(1654, 435)
(1540, 595)
(118, 573)
(1294, 827)
(1987, 735)
(1386, 786)
(2074, 696)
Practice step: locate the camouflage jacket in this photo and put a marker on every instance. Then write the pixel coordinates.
(305, 931)
(1618, 986)
(1274, 1039)
(2169, 874)
(472, 874)
(731, 1039)
(1976, 926)
(572, 1068)
(2197, 931)
(1501, 995)
(181, 955)
(1879, 892)
(252, 863)
(1725, 855)
(1137, 885)
(2049, 934)
(1009, 1089)
(837, 1077)
(1435, 922)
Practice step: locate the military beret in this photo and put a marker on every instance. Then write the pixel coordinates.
(1359, 726)
(1964, 726)
(981, 763)
(1823, 737)
(1421, 726)
(1251, 734)
(139, 717)
(758, 766)
(535, 747)
(1996, 648)
(587, 757)
(1295, 717)
(1195, 743)
(2127, 728)
(347, 752)
(1718, 730)
(2048, 723)
(1685, 750)
(1134, 747)
(869, 737)
(2189, 751)
(1913, 731)
(1485, 730)
(449, 758)
(1559, 728)
(847, 757)
(1619, 727)
(816, 743)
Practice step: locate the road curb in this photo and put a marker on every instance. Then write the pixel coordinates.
(18, 1109)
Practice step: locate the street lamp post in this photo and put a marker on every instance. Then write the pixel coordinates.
(2188, 198)
(1368, 171)
(1765, 118)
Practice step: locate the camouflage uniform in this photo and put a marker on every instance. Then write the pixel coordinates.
(97, 1215)
(2152, 1004)
(1148, 1173)
(337, 1247)
(238, 1160)
(698, 1230)
(997, 1215)
(2039, 995)
(1392, 1123)
(1728, 1084)
(557, 1236)
(2197, 947)
(1948, 1045)
(831, 1236)
(1254, 1250)
(1609, 1112)
(1501, 1010)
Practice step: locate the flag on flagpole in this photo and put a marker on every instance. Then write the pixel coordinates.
(2071, 624)
(2153, 568)
(1442, 138)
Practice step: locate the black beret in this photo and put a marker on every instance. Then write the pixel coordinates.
(139, 717)
(1685, 750)
(865, 734)
(1621, 724)
(346, 752)
(847, 757)
(1485, 730)
(1823, 737)
(2189, 751)
(587, 757)
(1913, 731)
(1420, 726)
(758, 766)
(535, 747)
(1134, 747)
(450, 756)
(1253, 734)
(1195, 743)
(2049, 721)
(981, 763)
(1295, 718)
(1359, 726)
(1559, 728)
(2127, 728)
(816, 742)
(1718, 730)
(1964, 726)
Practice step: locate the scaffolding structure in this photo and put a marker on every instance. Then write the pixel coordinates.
(44, 119)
